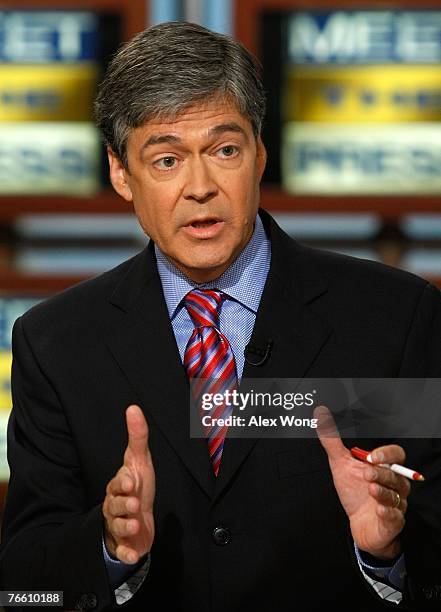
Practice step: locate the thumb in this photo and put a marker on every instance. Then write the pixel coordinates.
(137, 430)
(328, 434)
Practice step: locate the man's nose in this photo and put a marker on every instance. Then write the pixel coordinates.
(200, 185)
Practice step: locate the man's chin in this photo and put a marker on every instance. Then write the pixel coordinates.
(203, 271)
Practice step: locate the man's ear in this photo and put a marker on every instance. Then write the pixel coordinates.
(118, 176)
(261, 157)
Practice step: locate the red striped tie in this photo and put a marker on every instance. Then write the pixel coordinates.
(209, 363)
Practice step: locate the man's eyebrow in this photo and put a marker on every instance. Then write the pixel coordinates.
(161, 139)
(217, 130)
(226, 127)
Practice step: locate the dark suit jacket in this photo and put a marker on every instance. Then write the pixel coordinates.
(83, 356)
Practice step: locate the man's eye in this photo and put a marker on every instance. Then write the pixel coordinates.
(228, 151)
(166, 162)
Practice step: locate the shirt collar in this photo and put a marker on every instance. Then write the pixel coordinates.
(243, 280)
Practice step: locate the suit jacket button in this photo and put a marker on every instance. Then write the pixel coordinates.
(221, 536)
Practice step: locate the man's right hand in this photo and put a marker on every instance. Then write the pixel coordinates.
(128, 506)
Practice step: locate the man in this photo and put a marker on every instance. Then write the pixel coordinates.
(110, 499)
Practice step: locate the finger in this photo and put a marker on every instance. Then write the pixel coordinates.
(387, 497)
(388, 479)
(126, 554)
(392, 453)
(328, 434)
(391, 515)
(122, 483)
(137, 430)
(122, 506)
(123, 528)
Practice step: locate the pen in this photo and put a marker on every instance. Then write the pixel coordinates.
(363, 455)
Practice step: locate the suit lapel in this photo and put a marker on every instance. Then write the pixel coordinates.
(285, 318)
(144, 345)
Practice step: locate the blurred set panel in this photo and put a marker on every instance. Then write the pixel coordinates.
(353, 124)
(359, 97)
(48, 158)
(49, 68)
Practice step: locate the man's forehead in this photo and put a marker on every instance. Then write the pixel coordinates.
(205, 118)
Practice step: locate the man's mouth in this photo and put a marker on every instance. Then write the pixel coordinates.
(203, 223)
(207, 227)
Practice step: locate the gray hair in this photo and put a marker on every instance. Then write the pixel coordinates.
(165, 69)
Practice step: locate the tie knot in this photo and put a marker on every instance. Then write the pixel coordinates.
(203, 306)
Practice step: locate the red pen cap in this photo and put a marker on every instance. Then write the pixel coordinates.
(359, 453)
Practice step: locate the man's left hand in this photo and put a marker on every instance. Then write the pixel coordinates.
(373, 497)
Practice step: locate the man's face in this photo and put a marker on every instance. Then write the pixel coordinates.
(194, 183)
